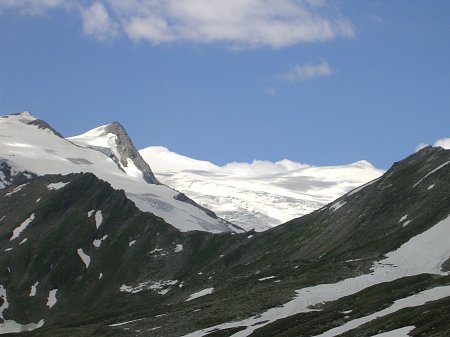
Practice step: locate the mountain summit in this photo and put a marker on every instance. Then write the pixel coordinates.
(28, 144)
(114, 141)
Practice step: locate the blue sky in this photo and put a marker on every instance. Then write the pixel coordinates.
(315, 81)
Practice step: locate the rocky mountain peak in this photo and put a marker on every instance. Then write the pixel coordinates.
(126, 152)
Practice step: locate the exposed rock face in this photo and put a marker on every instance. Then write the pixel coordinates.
(127, 150)
(9, 176)
(44, 125)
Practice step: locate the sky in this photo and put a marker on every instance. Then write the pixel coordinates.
(314, 81)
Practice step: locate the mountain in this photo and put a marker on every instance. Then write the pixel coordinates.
(113, 140)
(80, 259)
(260, 195)
(32, 145)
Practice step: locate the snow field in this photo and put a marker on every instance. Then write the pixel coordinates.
(435, 250)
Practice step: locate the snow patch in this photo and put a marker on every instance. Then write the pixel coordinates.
(15, 190)
(23, 241)
(56, 186)
(98, 242)
(430, 173)
(402, 332)
(406, 223)
(178, 248)
(127, 322)
(38, 199)
(200, 293)
(98, 218)
(161, 287)
(33, 289)
(18, 230)
(131, 243)
(51, 300)
(337, 205)
(100, 276)
(10, 326)
(416, 300)
(356, 190)
(84, 257)
(404, 261)
(430, 187)
(90, 213)
(403, 218)
(266, 278)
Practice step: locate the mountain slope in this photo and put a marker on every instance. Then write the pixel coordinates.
(260, 195)
(114, 139)
(30, 144)
(365, 264)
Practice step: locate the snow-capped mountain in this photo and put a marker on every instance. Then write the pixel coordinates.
(79, 259)
(29, 144)
(259, 195)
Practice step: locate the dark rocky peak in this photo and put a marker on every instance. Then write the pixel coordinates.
(9, 175)
(45, 126)
(127, 151)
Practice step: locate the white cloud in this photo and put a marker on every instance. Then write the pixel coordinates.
(32, 7)
(262, 167)
(420, 147)
(97, 22)
(237, 23)
(270, 91)
(443, 142)
(304, 72)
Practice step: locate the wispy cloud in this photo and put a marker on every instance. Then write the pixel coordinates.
(270, 91)
(237, 23)
(305, 72)
(32, 7)
(97, 22)
(443, 142)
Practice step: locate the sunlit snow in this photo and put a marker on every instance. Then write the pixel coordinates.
(33, 289)
(51, 300)
(411, 301)
(98, 218)
(435, 250)
(161, 287)
(56, 186)
(46, 153)
(84, 257)
(18, 230)
(431, 172)
(200, 293)
(337, 205)
(10, 326)
(260, 194)
(401, 332)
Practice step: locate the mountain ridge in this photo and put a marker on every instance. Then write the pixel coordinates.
(258, 195)
(293, 280)
(40, 151)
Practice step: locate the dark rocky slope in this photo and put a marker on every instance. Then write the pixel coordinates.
(142, 252)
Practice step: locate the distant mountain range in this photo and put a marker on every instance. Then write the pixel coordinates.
(259, 195)
(256, 196)
(93, 244)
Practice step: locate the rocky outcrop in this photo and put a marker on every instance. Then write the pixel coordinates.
(126, 150)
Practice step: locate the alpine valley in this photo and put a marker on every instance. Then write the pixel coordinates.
(94, 242)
